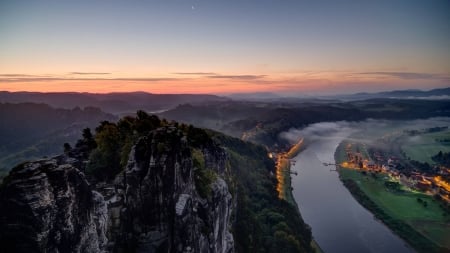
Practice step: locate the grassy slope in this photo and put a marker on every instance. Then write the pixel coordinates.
(401, 211)
(421, 148)
(404, 206)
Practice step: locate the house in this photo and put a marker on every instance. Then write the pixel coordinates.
(423, 185)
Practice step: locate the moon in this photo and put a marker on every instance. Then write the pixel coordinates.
(193, 8)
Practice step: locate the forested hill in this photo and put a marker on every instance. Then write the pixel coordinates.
(29, 130)
(261, 122)
(117, 103)
(145, 184)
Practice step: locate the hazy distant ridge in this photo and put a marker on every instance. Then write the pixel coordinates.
(442, 93)
(110, 102)
(400, 94)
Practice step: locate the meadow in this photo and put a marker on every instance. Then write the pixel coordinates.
(424, 146)
(413, 215)
(429, 219)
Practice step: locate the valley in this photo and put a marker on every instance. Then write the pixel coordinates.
(276, 161)
(158, 126)
(411, 198)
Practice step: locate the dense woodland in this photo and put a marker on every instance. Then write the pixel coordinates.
(29, 131)
(442, 159)
(117, 103)
(34, 130)
(262, 222)
(264, 121)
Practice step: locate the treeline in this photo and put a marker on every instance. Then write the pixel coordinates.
(29, 131)
(282, 119)
(425, 131)
(235, 117)
(442, 158)
(262, 222)
(108, 149)
(29, 121)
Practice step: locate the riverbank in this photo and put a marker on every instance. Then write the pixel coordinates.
(284, 186)
(283, 172)
(424, 227)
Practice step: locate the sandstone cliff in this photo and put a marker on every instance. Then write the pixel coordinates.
(154, 205)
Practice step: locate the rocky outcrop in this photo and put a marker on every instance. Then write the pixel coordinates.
(46, 206)
(152, 206)
(161, 209)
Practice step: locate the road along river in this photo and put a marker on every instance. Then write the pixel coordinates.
(339, 223)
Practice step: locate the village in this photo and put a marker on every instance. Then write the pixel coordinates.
(358, 158)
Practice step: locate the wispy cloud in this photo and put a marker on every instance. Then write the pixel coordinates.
(213, 75)
(237, 77)
(195, 73)
(89, 73)
(148, 79)
(208, 75)
(16, 79)
(11, 78)
(404, 75)
(19, 75)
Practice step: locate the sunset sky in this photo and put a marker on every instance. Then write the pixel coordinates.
(224, 46)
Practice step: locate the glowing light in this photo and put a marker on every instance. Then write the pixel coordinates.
(283, 165)
(442, 183)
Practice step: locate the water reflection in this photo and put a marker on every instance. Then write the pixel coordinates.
(339, 223)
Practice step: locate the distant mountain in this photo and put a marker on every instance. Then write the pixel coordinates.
(261, 122)
(111, 102)
(443, 93)
(254, 96)
(29, 130)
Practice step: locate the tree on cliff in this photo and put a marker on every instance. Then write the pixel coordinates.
(86, 144)
(104, 161)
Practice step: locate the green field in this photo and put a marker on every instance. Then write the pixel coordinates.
(430, 221)
(403, 205)
(422, 147)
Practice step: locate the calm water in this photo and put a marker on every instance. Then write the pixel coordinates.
(339, 223)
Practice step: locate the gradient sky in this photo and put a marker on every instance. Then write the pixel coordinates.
(193, 46)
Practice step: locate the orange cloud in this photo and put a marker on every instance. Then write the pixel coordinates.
(210, 82)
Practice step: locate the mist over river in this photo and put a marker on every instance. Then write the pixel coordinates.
(339, 223)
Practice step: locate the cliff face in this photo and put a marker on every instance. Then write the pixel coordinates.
(46, 206)
(153, 206)
(159, 207)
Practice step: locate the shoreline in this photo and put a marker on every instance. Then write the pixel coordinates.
(402, 229)
(284, 178)
(283, 172)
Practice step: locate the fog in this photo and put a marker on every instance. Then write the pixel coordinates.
(339, 223)
(359, 131)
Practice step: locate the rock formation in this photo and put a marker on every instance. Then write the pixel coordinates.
(154, 205)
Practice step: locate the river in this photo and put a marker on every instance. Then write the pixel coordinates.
(339, 223)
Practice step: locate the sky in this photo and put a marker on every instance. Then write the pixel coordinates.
(224, 46)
